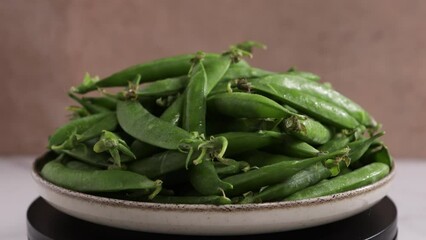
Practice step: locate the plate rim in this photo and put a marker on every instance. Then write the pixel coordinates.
(203, 207)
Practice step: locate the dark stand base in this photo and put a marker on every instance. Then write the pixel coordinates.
(46, 223)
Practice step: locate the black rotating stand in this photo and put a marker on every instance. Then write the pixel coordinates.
(46, 223)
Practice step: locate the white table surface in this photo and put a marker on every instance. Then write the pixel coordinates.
(18, 191)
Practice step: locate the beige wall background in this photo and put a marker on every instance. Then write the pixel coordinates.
(372, 51)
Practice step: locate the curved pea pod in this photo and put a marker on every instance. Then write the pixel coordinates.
(323, 92)
(159, 164)
(165, 87)
(301, 180)
(150, 71)
(84, 128)
(307, 129)
(214, 200)
(360, 147)
(246, 105)
(205, 180)
(293, 147)
(96, 180)
(142, 125)
(258, 158)
(381, 154)
(313, 106)
(358, 178)
(239, 142)
(271, 174)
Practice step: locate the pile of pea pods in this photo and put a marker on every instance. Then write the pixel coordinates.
(209, 128)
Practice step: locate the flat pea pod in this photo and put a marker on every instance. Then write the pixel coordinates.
(258, 158)
(246, 105)
(150, 71)
(159, 164)
(323, 92)
(213, 200)
(313, 106)
(271, 174)
(301, 180)
(239, 71)
(142, 125)
(307, 129)
(219, 123)
(205, 180)
(96, 180)
(87, 127)
(363, 176)
(239, 142)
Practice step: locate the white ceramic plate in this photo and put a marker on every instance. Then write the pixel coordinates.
(209, 219)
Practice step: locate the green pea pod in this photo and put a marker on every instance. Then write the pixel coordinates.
(150, 71)
(258, 158)
(312, 105)
(359, 147)
(86, 154)
(214, 200)
(302, 179)
(142, 149)
(307, 87)
(77, 165)
(238, 71)
(165, 87)
(239, 142)
(173, 114)
(293, 147)
(205, 180)
(272, 174)
(87, 127)
(307, 129)
(105, 102)
(159, 164)
(230, 167)
(194, 107)
(142, 125)
(97, 180)
(338, 141)
(358, 178)
(90, 107)
(246, 105)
